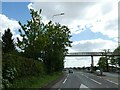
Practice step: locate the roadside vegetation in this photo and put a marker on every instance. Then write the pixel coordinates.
(106, 62)
(37, 57)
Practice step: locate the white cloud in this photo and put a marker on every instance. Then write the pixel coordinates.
(8, 23)
(30, 6)
(102, 16)
(11, 24)
(70, 0)
(107, 20)
(79, 61)
(93, 45)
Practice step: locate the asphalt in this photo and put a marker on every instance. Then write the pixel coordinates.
(79, 80)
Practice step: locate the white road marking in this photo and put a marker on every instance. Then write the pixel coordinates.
(83, 86)
(95, 81)
(112, 81)
(64, 80)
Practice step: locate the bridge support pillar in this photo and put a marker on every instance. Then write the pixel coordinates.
(92, 64)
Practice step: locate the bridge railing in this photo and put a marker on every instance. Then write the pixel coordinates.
(91, 54)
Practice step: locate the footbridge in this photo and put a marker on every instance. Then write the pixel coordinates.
(91, 54)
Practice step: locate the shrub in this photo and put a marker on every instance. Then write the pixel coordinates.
(14, 67)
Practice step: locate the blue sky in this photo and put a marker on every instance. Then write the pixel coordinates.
(20, 12)
(16, 10)
(93, 25)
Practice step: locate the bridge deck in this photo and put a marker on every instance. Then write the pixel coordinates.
(92, 54)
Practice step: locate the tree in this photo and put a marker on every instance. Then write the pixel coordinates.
(106, 51)
(117, 51)
(7, 42)
(102, 64)
(55, 50)
(112, 61)
(45, 41)
(31, 33)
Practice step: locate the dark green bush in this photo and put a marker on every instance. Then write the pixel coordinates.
(14, 67)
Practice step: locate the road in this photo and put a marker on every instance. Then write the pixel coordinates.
(79, 80)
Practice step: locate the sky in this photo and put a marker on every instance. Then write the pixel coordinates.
(93, 24)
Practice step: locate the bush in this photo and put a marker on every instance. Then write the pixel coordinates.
(14, 67)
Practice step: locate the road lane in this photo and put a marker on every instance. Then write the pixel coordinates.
(101, 82)
(79, 80)
(71, 82)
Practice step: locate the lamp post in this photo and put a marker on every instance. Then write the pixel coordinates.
(57, 15)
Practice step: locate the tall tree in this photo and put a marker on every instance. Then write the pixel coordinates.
(112, 61)
(106, 51)
(7, 42)
(30, 33)
(117, 51)
(46, 41)
(102, 63)
(55, 50)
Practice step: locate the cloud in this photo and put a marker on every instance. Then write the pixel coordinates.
(107, 20)
(93, 45)
(102, 16)
(70, 0)
(11, 24)
(79, 61)
(30, 6)
(8, 23)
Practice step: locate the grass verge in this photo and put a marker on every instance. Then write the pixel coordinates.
(35, 81)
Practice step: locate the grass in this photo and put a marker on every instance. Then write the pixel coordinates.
(35, 81)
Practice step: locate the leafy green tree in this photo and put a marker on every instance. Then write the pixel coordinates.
(45, 41)
(55, 50)
(117, 51)
(7, 42)
(102, 63)
(112, 61)
(106, 51)
(31, 33)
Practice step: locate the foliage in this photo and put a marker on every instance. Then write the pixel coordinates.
(117, 51)
(102, 63)
(5, 83)
(9, 73)
(106, 58)
(7, 42)
(45, 41)
(43, 48)
(13, 68)
(29, 33)
(55, 50)
(112, 61)
(35, 81)
(8, 76)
